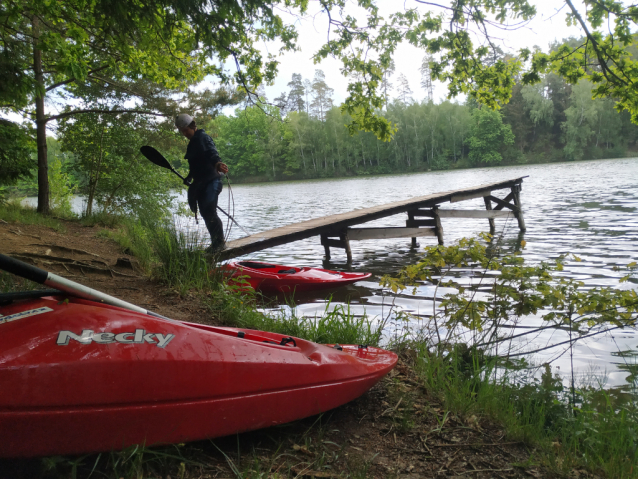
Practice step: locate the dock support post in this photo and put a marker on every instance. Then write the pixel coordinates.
(438, 229)
(411, 217)
(324, 242)
(342, 242)
(346, 245)
(518, 212)
(488, 206)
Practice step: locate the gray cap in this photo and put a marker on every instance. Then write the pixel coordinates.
(183, 120)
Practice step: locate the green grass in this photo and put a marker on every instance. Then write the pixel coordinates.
(104, 219)
(13, 212)
(10, 283)
(134, 239)
(181, 265)
(598, 433)
(338, 325)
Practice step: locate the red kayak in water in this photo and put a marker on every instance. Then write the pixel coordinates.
(77, 376)
(277, 278)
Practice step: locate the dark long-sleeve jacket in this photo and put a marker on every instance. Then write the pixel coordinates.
(202, 157)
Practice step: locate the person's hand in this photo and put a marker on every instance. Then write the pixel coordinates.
(187, 182)
(222, 168)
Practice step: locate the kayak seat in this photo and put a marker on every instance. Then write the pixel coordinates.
(250, 264)
(287, 271)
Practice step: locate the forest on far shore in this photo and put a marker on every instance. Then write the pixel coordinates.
(550, 121)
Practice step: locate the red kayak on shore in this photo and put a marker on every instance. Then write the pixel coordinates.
(77, 376)
(277, 278)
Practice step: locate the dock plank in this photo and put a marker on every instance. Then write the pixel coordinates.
(333, 224)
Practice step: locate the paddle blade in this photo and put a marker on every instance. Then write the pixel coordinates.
(155, 156)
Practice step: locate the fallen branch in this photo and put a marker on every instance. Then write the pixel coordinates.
(476, 445)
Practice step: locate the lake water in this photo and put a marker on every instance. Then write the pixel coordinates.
(589, 209)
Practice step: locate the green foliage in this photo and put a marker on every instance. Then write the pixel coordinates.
(250, 140)
(429, 136)
(483, 72)
(516, 291)
(61, 189)
(76, 40)
(488, 135)
(171, 43)
(16, 153)
(589, 123)
(110, 169)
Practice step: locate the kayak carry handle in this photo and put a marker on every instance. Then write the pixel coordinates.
(283, 342)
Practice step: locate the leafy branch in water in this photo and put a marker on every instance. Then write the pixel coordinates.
(511, 291)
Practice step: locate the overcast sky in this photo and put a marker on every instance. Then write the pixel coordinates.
(545, 28)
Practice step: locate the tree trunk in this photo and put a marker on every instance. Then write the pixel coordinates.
(337, 145)
(432, 155)
(93, 179)
(41, 124)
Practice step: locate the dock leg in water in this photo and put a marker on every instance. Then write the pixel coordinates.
(411, 217)
(324, 242)
(516, 192)
(341, 242)
(346, 245)
(438, 229)
(488, 206)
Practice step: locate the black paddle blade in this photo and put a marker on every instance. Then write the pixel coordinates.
(155, 156)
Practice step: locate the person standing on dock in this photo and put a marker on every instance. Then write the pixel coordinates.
(204, 179)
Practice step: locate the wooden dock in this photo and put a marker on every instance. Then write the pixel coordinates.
(424, 219)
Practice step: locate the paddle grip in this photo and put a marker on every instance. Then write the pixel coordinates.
(19, 268)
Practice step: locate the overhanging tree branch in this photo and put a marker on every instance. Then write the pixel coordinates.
(98, 110)
(599, 55)
(71, 80)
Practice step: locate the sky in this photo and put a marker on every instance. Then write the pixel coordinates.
(549, 25)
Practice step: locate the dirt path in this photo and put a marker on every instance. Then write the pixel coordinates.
(80, 255)
(396, 429)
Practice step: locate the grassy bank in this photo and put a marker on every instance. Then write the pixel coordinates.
(597, 433)
(566, 429)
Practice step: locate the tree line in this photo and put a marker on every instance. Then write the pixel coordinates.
(301, 134)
